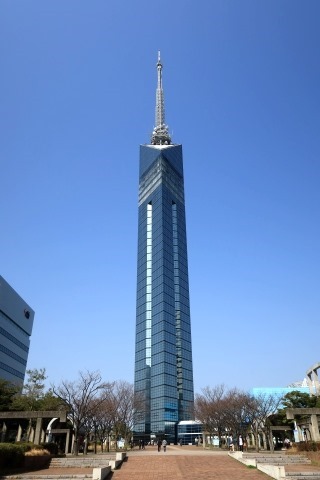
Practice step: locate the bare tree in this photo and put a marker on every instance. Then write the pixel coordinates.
(104, 420)
(236, 405)
(127, 408)
(260, 409)
(78, 396)
(210, 410)
(236, 412)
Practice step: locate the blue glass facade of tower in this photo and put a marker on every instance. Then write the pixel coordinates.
(163, 357)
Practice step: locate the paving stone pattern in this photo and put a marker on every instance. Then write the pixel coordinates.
(171, 467)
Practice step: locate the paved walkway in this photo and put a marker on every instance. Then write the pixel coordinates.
(188, 463)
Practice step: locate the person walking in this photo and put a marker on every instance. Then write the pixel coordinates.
(159, 445)
(230, 443)
(240, 443)
(287, 443)
(164, 444)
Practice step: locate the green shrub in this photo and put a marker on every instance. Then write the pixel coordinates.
(11, 455)
(26, 446)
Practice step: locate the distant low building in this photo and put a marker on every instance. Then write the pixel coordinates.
(189, 432)
(279, 391)
(300, 383)
(16, 322)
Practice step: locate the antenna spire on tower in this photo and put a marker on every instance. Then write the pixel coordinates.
(160, 134)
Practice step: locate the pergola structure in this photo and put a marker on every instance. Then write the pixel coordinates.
(313, 379)
(39, 416)
(308, 427)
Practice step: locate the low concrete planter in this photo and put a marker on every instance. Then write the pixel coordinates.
(118, 461)
(37, 462)
(101, 473)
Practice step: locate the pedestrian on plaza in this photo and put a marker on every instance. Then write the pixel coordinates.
(230, 443)
(287, 443)
(240, 443)
(164, 444)
(196, 441)
(159, 445)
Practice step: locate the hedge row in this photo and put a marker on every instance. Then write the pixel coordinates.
(12, 454)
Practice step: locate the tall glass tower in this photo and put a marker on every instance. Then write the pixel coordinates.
(163, 356)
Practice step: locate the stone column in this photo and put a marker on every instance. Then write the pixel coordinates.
(313, 380)
(18, 437)
(67, 442)
(72, 443)
(4, 431)
(31, 435)
(314, 428)
(38, 431)
(309, 382)
(316, 381)
(295, 432)
(300, 434)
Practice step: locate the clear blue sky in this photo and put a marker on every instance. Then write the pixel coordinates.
(242, 93)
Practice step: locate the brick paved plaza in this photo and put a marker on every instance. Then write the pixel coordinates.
(184, 463)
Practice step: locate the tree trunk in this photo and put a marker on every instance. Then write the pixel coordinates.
(256, 440)
(270, 438)
(76, 443)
